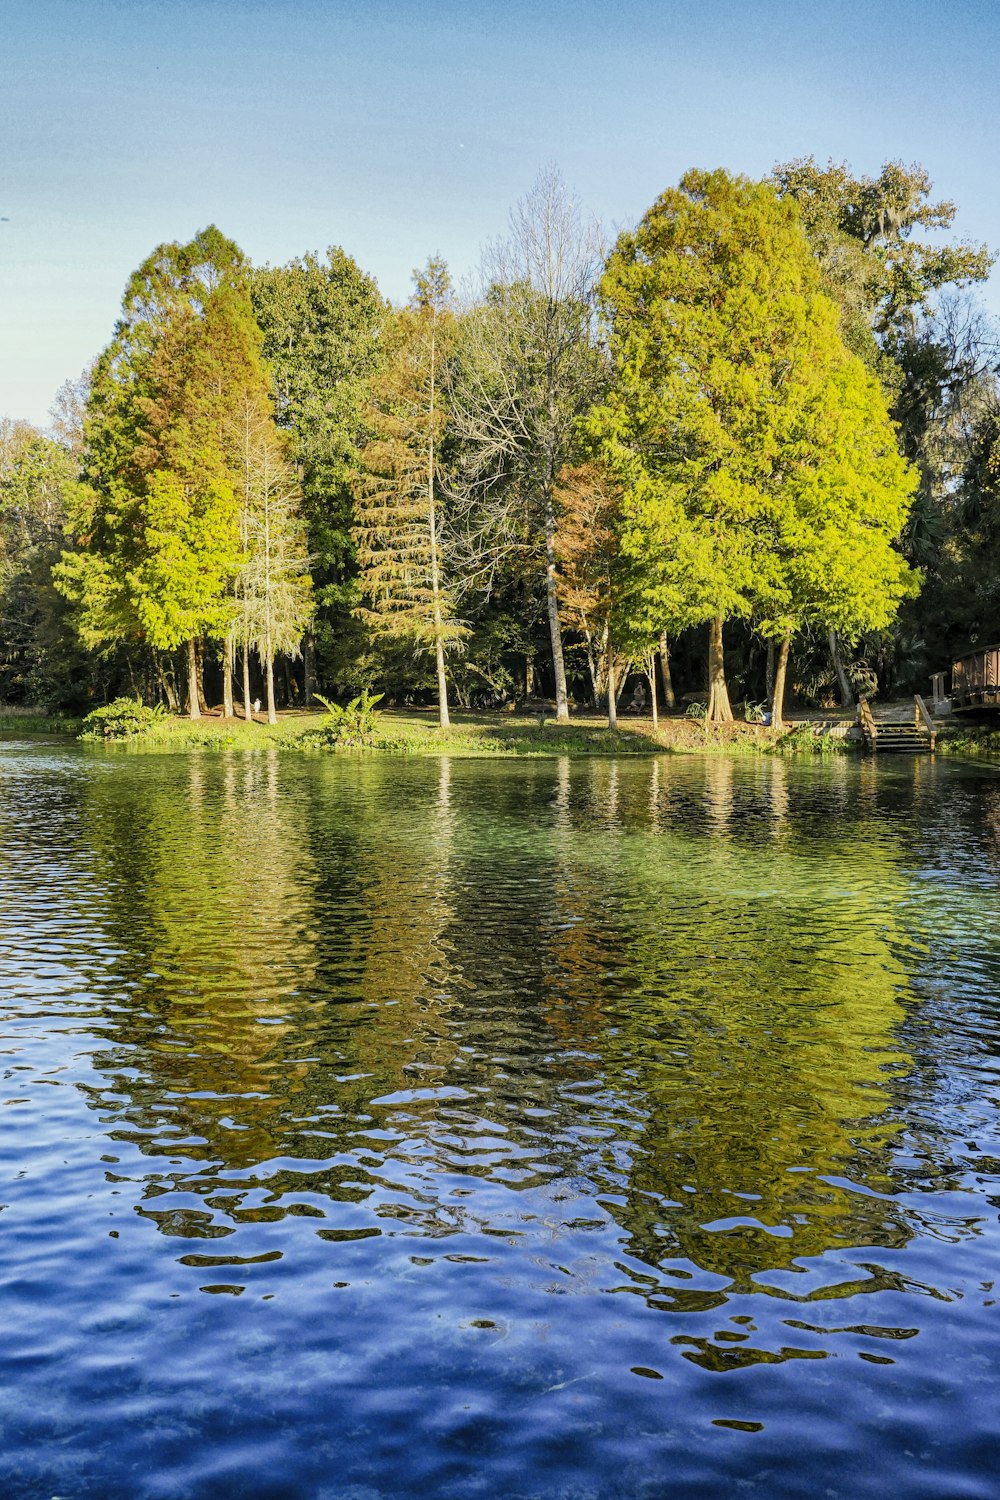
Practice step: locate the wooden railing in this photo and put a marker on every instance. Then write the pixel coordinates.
(900, 732)
(923, 720)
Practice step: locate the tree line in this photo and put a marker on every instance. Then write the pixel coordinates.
(754, 441)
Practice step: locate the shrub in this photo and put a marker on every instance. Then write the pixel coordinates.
(353, 724)
(122, 719)
(756, 713)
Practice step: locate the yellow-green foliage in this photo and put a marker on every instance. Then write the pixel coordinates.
(761, 468)
(155, 522)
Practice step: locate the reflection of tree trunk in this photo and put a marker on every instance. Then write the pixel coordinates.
(558, 666)
(194, 705)
(719, 710)
(227, 676)
(612, 692)
(669, 701)
(769, 672)
(846, 696)
(780, 672)
(309, 667)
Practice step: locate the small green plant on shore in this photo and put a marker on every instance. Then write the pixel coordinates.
(807, 739)
(755, 713)
(351, 724)
(28, 721)
(695, 711)
(972, 739)
(122, 719)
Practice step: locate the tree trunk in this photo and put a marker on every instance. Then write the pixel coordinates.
(443, 715)
(612, 693)
(552, 600)
(247, 700)
(227, 676)
(592, 673)
(780, 673)
(769, 673)
(846, 696)
(651, 678)
(669, 701)
(268, 665)
(194, 706)
(200, 674)
(166, 685)
(309, 667)
(442, 680)
(272, 717)
(719, 710)
(286, 672)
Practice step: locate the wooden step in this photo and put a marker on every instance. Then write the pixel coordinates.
(917, 744)
(913, 735)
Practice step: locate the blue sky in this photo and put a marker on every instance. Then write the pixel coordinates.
(401, 128)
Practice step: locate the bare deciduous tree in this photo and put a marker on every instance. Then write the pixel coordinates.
(528, 367)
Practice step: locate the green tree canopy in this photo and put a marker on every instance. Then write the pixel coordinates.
(324, 323)
(398, 525)
(866, 232)
(155, 520)
(759, 461)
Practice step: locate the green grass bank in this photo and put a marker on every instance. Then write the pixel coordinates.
(417, 732)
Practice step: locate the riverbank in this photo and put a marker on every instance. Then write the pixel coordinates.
(36, 721)
(970, 739)
(415, 731)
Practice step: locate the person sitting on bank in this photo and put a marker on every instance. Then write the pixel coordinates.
(638, 703)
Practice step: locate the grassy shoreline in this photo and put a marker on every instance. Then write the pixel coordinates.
(36, 721)
(415, 731)
(472, 734)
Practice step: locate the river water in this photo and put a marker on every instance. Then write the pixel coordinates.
(452, 1128)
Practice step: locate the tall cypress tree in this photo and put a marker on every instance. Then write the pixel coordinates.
(155, 520)
(761, 471)
(398, 517)
(324, 323)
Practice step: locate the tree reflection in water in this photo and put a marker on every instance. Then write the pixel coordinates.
(658, 1003)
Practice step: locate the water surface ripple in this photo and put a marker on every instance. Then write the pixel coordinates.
(452, 1128)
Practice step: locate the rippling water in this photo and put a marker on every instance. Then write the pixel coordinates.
(458, 1128)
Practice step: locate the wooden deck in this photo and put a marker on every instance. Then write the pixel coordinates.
(975, 680)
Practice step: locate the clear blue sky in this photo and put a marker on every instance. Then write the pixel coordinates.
(399, 128)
